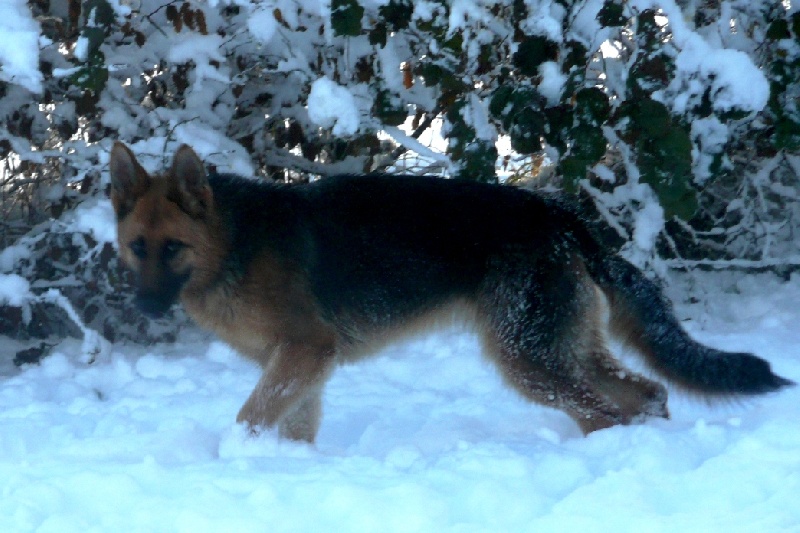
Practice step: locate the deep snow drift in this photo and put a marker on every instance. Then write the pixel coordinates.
(423, 437)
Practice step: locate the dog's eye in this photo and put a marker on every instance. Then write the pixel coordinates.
(138, 248)
(171, 249)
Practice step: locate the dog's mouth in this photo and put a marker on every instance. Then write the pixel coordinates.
(156, 303)
(153, 305)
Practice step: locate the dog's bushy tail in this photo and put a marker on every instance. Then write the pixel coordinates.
(642, 317)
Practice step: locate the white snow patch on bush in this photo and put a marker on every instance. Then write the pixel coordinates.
(19, 46)
(545, 18)
(81, 50)
(262, 25)
(10, 255)
(214, 147)
(14, 290)
(331, 105)
(735, 82)
(202, 49)
(97, 218)
(649, 223)
(710, 135)
(476, 114)
(552, 82)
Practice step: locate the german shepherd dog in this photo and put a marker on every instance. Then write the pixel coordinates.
(300, 277)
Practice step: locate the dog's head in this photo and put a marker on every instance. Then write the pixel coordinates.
(163, 225)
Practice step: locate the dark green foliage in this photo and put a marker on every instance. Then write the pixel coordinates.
(93, 75)
(346, 17)
(784, 102)
(389, 109)
(98, 11)
(532, 52)
(585, 138)
(664, 155)
(478, 157)
(779, 30)
(98, 21)
(726, 176)
(611, 14)
(396, 14)
(519, 110)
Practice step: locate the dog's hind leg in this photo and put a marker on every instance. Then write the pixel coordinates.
(543, 323)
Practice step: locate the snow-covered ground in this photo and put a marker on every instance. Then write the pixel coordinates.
(424, 437)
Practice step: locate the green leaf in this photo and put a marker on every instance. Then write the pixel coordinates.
(676, 146)
(455, 43)
(559, 121)
(591, 106)
(679, 202)
(509, 101)
(796, 25)
(346, 17)
(95, 36)
(652, 117)
(572, 169)
(611, 14)
(787, 134)
(650, 73)
(98, 12)
(397, 14)
(479, 162)
(378, 35)
(389, 109)
(501, 99)
(431, 74)
(526, 130)
(477, 157)
(665, 163)
(532, 52)
(577, 55)
(648, 32)
(458, 130)
(93, 75)
(589, 143)
(778, 30)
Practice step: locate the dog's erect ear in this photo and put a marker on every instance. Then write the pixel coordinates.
(128, 179)
(189, 175)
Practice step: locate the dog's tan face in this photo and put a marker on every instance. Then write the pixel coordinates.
(162, 225)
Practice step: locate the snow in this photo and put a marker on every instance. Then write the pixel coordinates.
(710, 136)
(203, 50)
(14, 290)
(331, 105)
(10, 255)
(81, 50)
(734, 81)
(552, 82)
(476, 114)
(19, 46)
(422, 437)
(465, 12)
(545, 18)
(262, 25)
(216, 148)
(426, 11)
(649, 223)
(97, 218)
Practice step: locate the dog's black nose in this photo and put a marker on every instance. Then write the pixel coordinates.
(153, 305)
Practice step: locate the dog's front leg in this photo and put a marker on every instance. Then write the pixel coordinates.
(288, 393)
